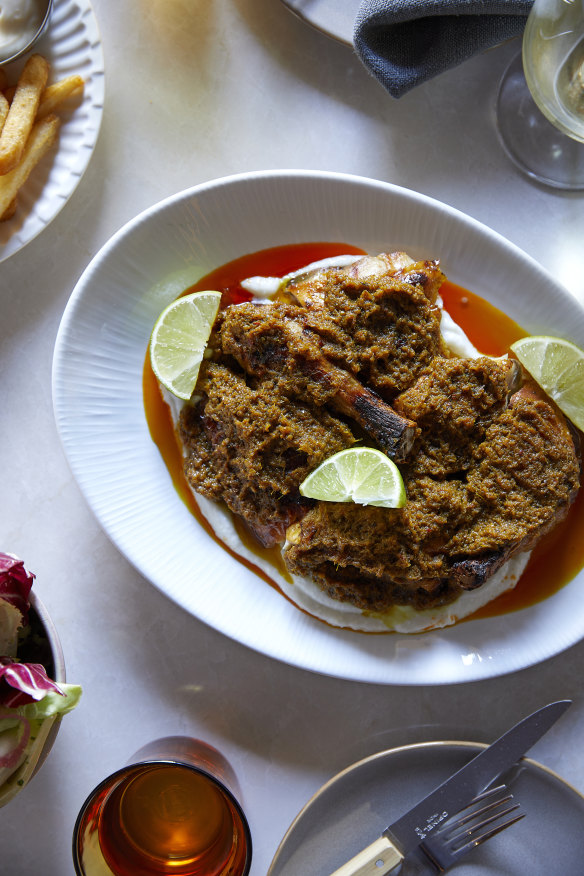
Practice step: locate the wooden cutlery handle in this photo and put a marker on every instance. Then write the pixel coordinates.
(367, 862)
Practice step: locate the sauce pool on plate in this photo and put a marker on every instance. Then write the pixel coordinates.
(557, 558)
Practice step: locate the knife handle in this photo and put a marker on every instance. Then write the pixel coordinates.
(367, 862)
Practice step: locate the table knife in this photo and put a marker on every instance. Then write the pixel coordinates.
(406, 834)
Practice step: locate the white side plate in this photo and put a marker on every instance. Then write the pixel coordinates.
(354, 808)
(72, 44)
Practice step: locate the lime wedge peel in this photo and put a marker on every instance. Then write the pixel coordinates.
(558, 367)
(179, 338)
(361, 475)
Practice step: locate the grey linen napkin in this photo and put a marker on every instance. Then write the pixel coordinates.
(406, 42)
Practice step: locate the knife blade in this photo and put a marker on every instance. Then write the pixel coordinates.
(406, 834)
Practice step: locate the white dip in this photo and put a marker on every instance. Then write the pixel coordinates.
(20, 21)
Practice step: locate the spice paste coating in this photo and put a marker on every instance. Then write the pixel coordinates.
(355, 355)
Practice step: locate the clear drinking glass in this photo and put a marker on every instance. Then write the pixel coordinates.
(540, 109)
(172, 810)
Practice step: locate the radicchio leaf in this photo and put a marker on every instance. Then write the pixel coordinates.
(22, 683)
(15, 584)
(14, 736)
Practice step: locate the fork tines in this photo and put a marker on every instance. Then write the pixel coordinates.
(487, 815)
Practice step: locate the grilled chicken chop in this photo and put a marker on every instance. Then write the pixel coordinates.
(487, 478)
(489, 463)
(273, 342)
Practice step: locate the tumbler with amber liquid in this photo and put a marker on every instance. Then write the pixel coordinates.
(173, 810)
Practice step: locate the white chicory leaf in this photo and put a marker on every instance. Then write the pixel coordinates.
(23, 732)
(53, 703)
(10, 624)
(14, 737)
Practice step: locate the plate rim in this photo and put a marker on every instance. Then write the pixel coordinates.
(307, 17)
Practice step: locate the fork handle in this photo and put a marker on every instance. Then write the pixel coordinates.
(366, 863)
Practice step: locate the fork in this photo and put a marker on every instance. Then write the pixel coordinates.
(487, 815)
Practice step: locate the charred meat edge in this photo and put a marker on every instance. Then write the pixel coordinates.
(394, 433)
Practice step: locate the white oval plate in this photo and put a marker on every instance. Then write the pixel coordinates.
(72, 44)
(335, 18)
(97, 392)
(353, 808)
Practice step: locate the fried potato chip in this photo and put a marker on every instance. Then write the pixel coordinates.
(22, 112)
(54, 95)
(28, 124)
(42, 137)
(9, 211)
(4, 107)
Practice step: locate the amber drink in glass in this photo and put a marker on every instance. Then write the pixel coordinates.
(173, 810)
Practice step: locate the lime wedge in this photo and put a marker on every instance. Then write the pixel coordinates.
(179, 339)
(359, 474)
(558, 367)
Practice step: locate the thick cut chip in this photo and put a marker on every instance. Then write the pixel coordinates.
(22, 113)
(42, 137)
(54, 95)
(179, 339)
(10, 211)
(4, 107)
(558, 367)
(359, 474)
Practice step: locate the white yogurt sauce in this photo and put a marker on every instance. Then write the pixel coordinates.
(265, 287)
(20, 21)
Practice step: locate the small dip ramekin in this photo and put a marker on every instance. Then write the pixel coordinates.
(28, 47)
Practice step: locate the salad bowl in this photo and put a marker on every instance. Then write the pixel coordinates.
(34, 694)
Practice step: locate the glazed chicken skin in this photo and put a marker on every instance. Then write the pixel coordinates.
(355, 355)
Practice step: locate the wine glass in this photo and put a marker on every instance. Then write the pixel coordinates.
(540, 108)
